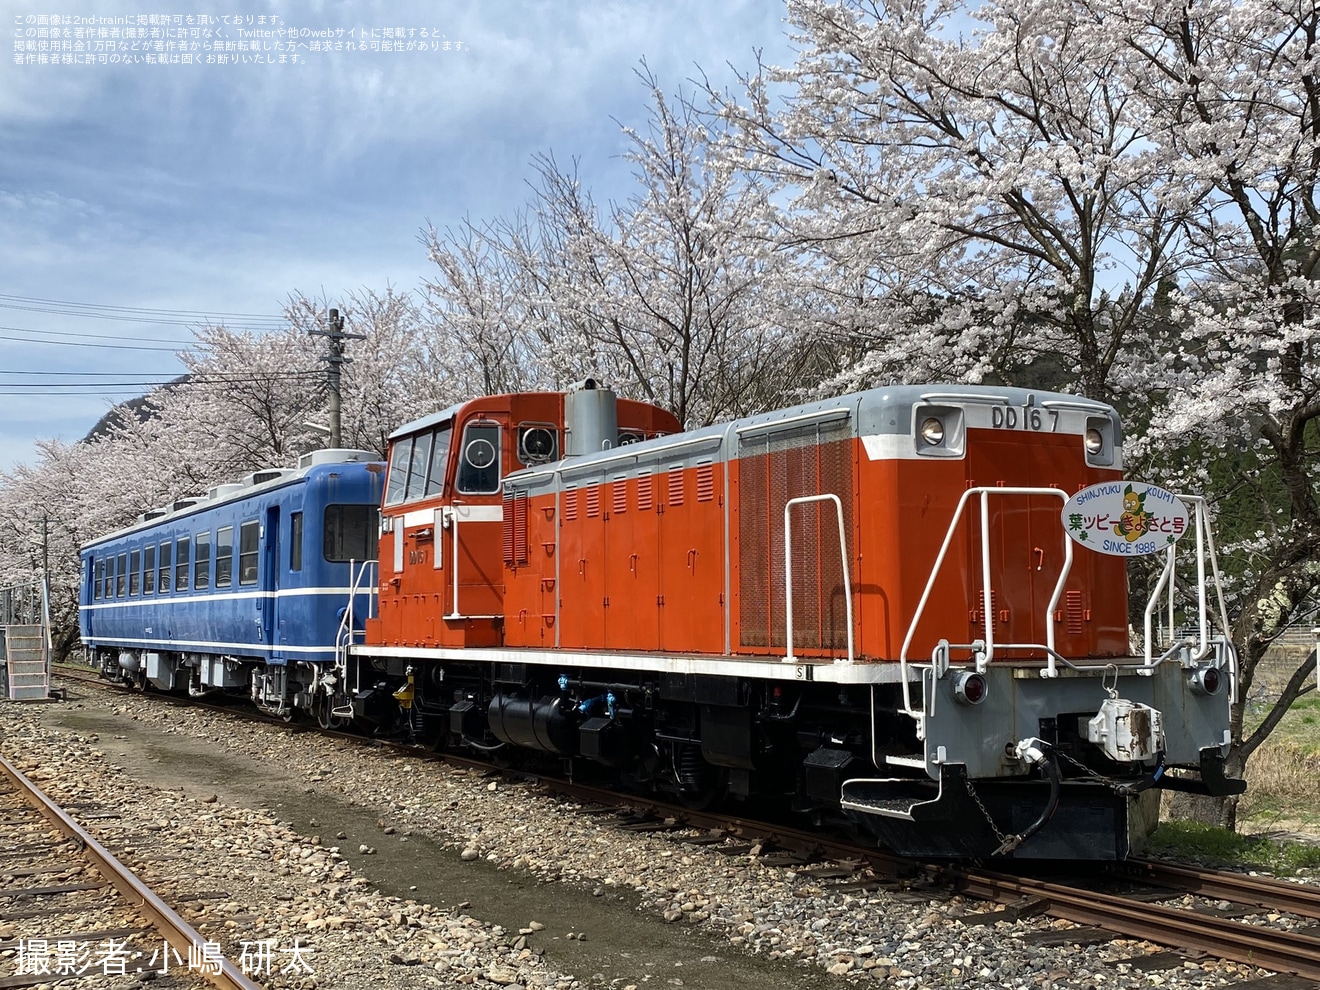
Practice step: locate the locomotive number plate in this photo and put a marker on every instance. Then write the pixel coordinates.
(1024, 418)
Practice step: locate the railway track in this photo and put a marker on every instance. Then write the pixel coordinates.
(1138, 911)
(60, 848)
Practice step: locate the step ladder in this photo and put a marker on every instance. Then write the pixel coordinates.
(25, 660)
(25, 641)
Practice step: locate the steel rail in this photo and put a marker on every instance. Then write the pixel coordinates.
(1276, 949)
(1266, 892)
(181, 935)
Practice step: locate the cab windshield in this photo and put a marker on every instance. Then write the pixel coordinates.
(417, 466)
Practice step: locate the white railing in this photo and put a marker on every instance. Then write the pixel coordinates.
(1206, 644)
(359, 576)
(985, 649)
(788, 569)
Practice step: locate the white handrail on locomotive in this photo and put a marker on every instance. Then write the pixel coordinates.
(983, 650)
(788, 571)
(347, 625)
(1222, 646)
(450, 515)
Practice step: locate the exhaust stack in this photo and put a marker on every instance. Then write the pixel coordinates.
(591, 418)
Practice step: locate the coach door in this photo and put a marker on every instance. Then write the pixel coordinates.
(270, 581)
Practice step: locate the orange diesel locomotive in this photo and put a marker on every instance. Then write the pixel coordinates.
(864, 606)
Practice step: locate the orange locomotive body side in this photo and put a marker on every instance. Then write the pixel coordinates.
(641, 558)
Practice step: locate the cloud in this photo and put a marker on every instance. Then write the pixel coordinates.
(228, 188)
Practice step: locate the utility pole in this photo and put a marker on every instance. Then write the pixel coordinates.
(334, 361)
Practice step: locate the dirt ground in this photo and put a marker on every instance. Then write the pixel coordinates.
(619, 945)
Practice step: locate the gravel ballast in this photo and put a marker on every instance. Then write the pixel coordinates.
(509, 887)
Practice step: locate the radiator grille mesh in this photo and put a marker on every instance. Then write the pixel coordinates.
(773, 468)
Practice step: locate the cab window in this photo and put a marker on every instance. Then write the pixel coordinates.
(479, 459)
(417, 466)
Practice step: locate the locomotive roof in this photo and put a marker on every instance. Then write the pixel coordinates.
(882, 410)
(265, 480)
(432, 419)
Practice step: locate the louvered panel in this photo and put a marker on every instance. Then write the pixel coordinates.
(593, 501)
(520, 529)
(619, 494)
(676, 484)
(645, 498)
(1073, 611)
(835, 467)
(705, 482)
(515, 529)
(507, 533)
(773, 468)
(754, 550)
(570, 505)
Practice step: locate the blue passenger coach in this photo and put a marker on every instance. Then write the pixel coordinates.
(241, 591)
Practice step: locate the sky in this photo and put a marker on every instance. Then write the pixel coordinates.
(213, 191)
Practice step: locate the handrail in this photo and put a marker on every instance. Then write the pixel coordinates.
(45, 621)
(984, 657)
(1205, 551)
(788, 569)
(347, 622)
(452, 517)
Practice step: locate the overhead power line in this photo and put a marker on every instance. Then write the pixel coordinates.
(74, 343)
(95, 336)
(141, 314)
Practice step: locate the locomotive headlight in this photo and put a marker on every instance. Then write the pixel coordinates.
(1207, 680)
(932, 431)
(969, 687)
(1095, 441)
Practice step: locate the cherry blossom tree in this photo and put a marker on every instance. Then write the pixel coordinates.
(667, 294)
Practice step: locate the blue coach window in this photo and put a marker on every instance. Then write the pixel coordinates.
(149, 570)
(110, 578)
(295, 541)
(121, 576)
(351, 532)
(202, 561)
(98, 579)
(134, 572)
(166, 571)
(224, 556)
(249, 535)
(181, 560)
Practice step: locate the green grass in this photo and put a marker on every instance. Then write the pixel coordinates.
(1301, 726)
(1219, 845)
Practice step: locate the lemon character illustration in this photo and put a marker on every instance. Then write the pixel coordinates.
(1134, 522)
